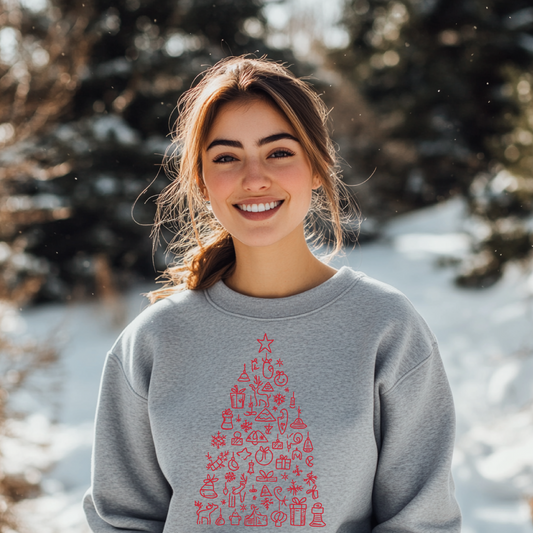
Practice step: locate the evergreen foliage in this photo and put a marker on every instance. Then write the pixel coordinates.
(102, 146)
(450, 83)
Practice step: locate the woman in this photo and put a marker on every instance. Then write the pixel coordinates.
(265, 388)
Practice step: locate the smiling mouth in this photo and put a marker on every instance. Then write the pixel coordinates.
(258, 208)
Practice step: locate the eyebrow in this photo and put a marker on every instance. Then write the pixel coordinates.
(261, 142)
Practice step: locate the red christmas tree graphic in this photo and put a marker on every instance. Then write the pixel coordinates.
(277, 458)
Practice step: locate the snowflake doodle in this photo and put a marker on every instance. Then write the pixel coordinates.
(229, 477)
(294, 489)
(267, 502)
(297, 470)
(246, 426)
(284, 476)
(243, 508)
(218, 440)
(310, 479)
(279, 399)
(279, 362)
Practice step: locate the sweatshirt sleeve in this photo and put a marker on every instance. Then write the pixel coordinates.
(129, 492)
(413, 488)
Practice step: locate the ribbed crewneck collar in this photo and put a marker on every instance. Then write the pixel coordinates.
(234, 303)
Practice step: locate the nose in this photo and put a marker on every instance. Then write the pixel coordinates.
(255, 177)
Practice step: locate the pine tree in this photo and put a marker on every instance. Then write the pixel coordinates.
(449, 83)
(107, 144)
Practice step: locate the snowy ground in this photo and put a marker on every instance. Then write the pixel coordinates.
(484, 340)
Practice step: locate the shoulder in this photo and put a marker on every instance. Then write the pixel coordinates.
(400, 337)
(155, 327)
(382, 301)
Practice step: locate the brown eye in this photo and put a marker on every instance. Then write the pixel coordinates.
(224, 159)
(281, 153)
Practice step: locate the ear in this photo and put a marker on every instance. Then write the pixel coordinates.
(317, 182)
(202, 187)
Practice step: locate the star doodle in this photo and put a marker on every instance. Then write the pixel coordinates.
(265, 344)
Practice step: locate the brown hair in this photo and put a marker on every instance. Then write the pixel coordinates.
(206, 247)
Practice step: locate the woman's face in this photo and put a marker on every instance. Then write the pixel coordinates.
(256, 174)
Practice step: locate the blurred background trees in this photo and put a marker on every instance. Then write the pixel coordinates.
(449, 86)
(434, 95)
(88, 88)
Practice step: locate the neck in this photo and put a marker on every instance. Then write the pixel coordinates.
(282, 269)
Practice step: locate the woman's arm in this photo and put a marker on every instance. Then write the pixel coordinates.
(413, 488)
(129, 492)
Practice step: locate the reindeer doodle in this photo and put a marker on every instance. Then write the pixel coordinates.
(242, 484)
(257, 395)
(204, 515)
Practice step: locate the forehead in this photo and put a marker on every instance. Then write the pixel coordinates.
(242, 118)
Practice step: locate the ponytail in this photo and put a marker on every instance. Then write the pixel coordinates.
(201, 267)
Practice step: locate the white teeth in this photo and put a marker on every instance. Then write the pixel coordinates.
(255, 208)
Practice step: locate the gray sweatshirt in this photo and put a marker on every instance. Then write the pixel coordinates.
(328, 409)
